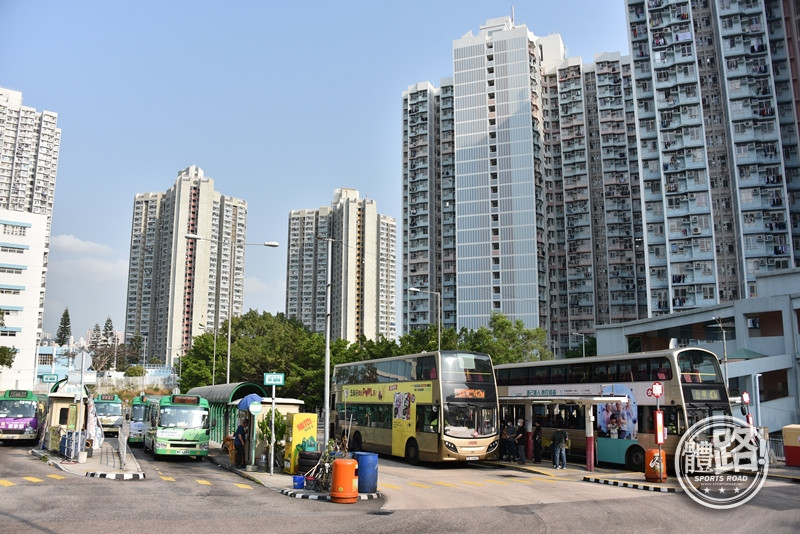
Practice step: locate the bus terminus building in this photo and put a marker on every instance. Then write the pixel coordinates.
(570, 195)
(362, 263)
(29, 149)
(179, 287)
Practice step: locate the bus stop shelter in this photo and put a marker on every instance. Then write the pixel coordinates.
(587, 401)
(223, 400)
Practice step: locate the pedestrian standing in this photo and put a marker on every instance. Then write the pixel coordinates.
(239, 440)
(519, 440)
(560, 438)
(537, 442)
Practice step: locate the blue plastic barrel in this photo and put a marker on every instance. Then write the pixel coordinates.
(367, 471)
(298, 481)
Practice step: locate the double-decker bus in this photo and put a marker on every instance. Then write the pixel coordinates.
(434, 407)
(109, 412)
(559, 392)
(20, 415)
(136, 423)
(177, 425)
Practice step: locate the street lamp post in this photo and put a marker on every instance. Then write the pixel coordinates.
(326, 404)
(232, 248)
(439, 305)
(718, 320)
(583, 342)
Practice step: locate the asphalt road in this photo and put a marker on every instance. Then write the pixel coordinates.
(182, 495)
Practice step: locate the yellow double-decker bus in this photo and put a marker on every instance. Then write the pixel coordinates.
(559, 392)
(434, 407)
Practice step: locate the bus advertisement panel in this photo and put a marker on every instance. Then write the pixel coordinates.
(109, 412)
(177, 425)
(20, 415)
(429, 407)
(559, 393)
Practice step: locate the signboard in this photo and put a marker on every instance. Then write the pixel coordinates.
(49, 379)
(273, 379)
(89, 377)
(255, 408)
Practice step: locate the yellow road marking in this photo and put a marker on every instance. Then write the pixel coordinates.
(521, 481)
(6, 483)
(32, 479)
(390, 486)
(419, 485)
(498, 482)
(204, 482)
(243, 486)
(471, 483)
(449, 485)
(57, 477)
(167, 479)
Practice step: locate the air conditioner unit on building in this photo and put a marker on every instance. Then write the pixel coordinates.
(695, 230)
(760, 238)
(691, 196)
(695, 219)
(769, 237)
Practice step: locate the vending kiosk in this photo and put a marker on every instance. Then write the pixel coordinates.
(301, 436)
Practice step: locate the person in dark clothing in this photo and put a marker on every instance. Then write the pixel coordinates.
(507, 443)
(239, 439)
(560, 438)
(537, 442)
(519, 439)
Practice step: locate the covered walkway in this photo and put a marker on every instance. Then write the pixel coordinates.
(223, 399)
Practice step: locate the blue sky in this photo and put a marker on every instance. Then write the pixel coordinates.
(279, 103)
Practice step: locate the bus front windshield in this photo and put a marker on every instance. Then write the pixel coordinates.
(137, 412)
(184, 417)
(17, 409)
(699, 367)
(462, 367)
(469, 420)
(108, 408)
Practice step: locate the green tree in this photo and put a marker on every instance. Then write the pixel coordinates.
(506, 341)
(64, 332)
(577, 351)
(7, 354)
(134, 370)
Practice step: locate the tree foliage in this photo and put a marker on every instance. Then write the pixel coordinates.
(64, 332)
(265, 343)
(134, 370)
(7, 355)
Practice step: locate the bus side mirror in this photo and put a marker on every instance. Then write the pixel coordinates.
(127, 417)
(744, 410)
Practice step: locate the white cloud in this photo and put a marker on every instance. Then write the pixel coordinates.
(88, 278)
(71, 245)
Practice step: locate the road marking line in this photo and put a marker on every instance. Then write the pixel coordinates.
(167, 479)
(32, 479)
(417, 484)
(204, 482)
(57, 477)
(448, 484)
(498, 482)
(390, 486)
(243, 486)
(471, 483)
(6, 483)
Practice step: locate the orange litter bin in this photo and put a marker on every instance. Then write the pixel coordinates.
(655, 470)
(344, 481)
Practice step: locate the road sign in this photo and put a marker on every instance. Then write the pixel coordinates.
(255, 408)
(658, 389)
(273, 379)
(49, 379)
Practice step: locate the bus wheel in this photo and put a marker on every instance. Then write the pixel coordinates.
(412, 452)
(634, 459)
(355, 442)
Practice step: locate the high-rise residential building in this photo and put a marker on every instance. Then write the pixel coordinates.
(362, 263)
(186, 270)
(29, 148)
(599, 193)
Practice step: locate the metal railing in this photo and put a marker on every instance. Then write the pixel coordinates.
(776, 452)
